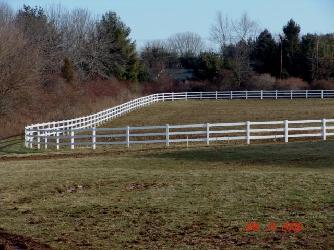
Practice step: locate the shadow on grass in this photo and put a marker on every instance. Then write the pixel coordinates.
(303, 154)
(14, 145)
(298, 154)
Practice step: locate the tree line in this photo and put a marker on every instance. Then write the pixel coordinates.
(63, 60)
(245, 53)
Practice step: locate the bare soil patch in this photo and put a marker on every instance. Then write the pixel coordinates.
(16, 242)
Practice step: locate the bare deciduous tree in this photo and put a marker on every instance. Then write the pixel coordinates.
(221, 31)
(43, 36)
(19, 69)
(76, 27)
(245, 28)
(226, 31)
(234, 37)
(186, 43)
(92, 45)
(240, 62)
(6, 14)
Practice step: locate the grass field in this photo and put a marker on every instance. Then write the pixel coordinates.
(196, 198)
(187, 112)
(157, 198)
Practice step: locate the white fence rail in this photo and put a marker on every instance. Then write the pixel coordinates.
(168, 134)
(33, 132)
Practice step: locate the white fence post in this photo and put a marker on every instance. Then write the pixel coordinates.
(248, 132)
(322, 94)
(306, 94)
(45, 139)
(208, 134)
(286, 131)
(216, 95)
(46, 134)
(57, 140)
(276, 94)
(200, 95)
(167, 135)
(324, 130)
(38, 139)
(26, 137)
(94, 138)
(231, 95)
(261, 94)
(163, 97)
(72, 139)
(128, 136)
(291, 94)
(246, 94)
(31, 138)
(186, 96)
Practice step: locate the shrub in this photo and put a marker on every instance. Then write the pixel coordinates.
(261, 82)
(323, 84)
(67, 70)
(292, 83)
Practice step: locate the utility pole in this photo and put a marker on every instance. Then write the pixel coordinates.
(317, 54)
(281, 64)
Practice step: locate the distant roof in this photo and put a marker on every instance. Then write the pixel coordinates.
(181, 74)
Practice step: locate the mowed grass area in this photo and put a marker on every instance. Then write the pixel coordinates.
(182, 199)
(188, 112)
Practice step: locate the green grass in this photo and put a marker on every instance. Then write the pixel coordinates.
(14, 145)
(188, 112)
(177, 198)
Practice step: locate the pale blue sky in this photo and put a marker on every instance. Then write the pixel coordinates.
(157, 19)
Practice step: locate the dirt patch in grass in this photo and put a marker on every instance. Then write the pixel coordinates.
(143, 186)
(75, 188)
(17, 242)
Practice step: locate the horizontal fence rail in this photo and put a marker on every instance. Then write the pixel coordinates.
(58, 128)
(168, 134)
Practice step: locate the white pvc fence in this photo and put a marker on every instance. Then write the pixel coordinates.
(34, 132)
(168, 134)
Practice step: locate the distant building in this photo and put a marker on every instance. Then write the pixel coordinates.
(180, 74)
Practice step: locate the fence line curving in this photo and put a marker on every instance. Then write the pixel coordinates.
(61, 130)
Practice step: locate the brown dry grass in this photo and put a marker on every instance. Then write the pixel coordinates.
(65, 101)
